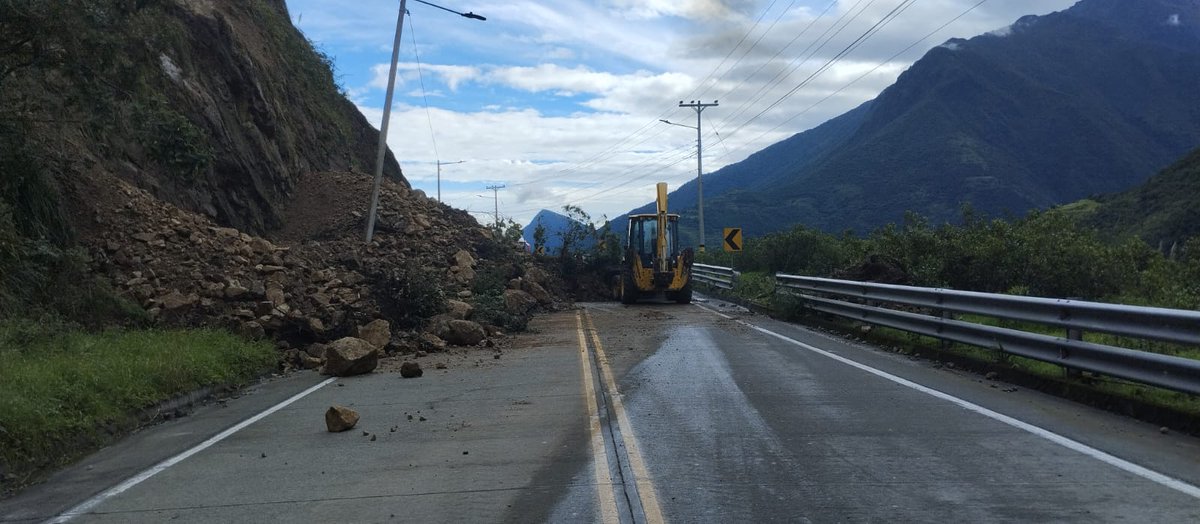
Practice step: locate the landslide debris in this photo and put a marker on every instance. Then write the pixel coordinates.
(340, 418)
(185, 269)
(202, 155)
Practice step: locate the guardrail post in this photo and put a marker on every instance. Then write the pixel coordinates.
(1065, 354)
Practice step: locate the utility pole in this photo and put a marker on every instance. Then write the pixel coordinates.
(496, 198)
(387, 108)
(439, 176)
(383, 129)
(699, 107)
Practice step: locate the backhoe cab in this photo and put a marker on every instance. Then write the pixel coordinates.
(653, 263)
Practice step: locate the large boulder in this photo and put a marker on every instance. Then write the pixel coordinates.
(518, 302)
(461, 332)
(538, 292)
(378, 332)
(339, 418)
(350, 356)
(537, 274)
(463, 259)
(459, 310)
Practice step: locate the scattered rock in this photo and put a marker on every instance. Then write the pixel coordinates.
(372, 438)
(518, 302)
(410, 369)
(432, 342)
(175, 300)
(440, 365)
(991, 375)
(251, 330)
(350, 356)
(1164, 430)
(378, 333)
(463, 259)
(316, 350)
(460, 310)
(462, 332)
(339, 418)
(308, 362)
(538, 292)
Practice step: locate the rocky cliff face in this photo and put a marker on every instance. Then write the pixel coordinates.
(201, 153)
(264, 106)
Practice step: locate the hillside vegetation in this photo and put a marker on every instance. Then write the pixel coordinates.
(1046, 254)
(1164, 212)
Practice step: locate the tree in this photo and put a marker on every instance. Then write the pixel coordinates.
(539, 237)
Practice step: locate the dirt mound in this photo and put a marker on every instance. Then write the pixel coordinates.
(328, 206)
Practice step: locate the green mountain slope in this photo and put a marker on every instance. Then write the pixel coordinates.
(1164, 211)
(1093, 99)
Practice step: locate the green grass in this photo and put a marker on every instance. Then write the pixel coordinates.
(63, 391)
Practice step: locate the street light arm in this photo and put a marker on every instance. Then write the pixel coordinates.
(464, 15)
(674, 124)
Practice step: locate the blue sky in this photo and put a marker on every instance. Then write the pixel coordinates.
(561, 100)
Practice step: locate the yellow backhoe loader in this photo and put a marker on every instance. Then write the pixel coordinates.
(653, 264)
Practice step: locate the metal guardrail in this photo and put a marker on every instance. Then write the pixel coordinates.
(721, 277)
(931, 312)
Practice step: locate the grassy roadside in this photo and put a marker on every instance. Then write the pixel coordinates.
(1160, 406)
(64, 392)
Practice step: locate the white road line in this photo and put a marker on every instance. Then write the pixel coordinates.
(1125, 465)
(91, 503)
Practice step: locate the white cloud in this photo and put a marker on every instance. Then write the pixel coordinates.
(623, 64)
(1173, 20)
(1002, 32)
(696, 9)
(451, 75)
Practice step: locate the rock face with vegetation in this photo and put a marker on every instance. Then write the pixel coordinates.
(1092, 99)
(184, 165)
(198, 157)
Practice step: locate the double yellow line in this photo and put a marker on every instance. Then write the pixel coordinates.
(604, 484)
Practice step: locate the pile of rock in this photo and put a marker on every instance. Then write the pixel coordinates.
(309, 294)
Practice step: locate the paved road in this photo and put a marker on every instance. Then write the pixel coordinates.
(649, 413)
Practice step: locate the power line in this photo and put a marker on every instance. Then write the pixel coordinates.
(862, 76)
(802, 58)
(605, 153)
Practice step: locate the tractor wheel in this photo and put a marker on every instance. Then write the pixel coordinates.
(683, 296)
(629, 291)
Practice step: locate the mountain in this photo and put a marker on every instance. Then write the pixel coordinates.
(1093, 99)
(556, 225)
(1164, 211)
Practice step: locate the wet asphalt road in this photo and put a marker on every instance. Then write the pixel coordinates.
(648, 413)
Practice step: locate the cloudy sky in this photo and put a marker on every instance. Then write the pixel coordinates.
(561, 101)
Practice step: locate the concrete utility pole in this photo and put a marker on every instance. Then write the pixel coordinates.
(699, 107)
(383, 128)
(496, 197)
(387, 109)
(439, 176)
